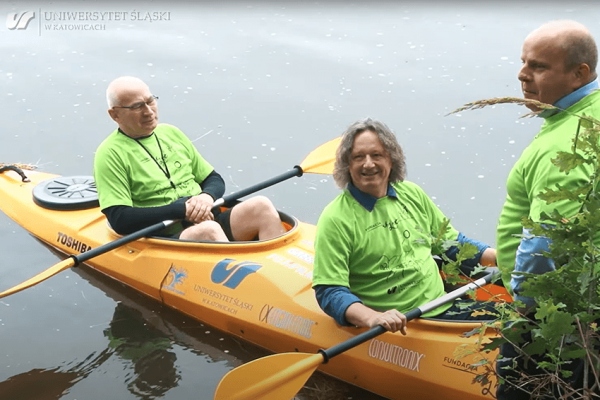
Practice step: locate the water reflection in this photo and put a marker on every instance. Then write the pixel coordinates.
(49, 384)
(147, 349)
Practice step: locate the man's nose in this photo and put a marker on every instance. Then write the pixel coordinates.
(524, 74)
(147, 110)
(369, 161)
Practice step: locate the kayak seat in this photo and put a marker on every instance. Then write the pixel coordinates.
(287, 221)
(67, 193)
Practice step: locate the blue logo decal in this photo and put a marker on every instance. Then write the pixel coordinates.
(231, 273)
(175, 277)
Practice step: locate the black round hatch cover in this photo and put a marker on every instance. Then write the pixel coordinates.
(67, 193)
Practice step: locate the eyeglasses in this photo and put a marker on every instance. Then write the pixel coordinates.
(137, 107)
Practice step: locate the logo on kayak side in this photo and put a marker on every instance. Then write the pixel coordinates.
(287, 321)
(174, 278)
(233, 304)
(286, 262)
(231, 273)
(460, 365)
(390, 353)
(75, 244)
(488, 385)
(304, 256)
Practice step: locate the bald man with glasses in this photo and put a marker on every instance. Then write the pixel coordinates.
(147, 172)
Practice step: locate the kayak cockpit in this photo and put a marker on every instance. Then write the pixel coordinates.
(289, 223)
(71, 193)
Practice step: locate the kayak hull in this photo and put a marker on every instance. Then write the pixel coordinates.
(260, 292)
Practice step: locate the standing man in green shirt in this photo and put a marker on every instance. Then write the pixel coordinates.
(559, 68)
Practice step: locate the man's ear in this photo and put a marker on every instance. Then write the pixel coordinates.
(113, 114)
(583, 74)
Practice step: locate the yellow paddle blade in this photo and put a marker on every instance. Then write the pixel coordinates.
(321, 160)
(276, 377)
(42, 276)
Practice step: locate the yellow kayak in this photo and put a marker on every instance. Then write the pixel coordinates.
(259, 291)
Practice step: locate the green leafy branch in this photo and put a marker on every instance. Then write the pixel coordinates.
(452, 268)
(564, 323)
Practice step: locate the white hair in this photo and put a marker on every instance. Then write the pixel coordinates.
(112, 98)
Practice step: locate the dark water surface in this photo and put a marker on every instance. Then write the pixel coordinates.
(257, 86)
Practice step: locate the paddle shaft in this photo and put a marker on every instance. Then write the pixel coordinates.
(412, 314)
(296, 171)
(79, 258)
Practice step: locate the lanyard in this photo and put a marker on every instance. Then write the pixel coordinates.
(164, 170)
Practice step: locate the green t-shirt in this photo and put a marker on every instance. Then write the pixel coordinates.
(534, 172)
(126, 175)
(384, 256)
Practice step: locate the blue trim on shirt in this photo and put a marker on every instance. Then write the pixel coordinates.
(335, 300)
(530, 259)
(571, 98)
(368, 200)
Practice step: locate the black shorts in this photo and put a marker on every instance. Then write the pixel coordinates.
(224, 219)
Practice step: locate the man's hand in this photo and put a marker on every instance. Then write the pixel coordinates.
(360, 315)
(198, 208)
(488, 258)
(392, 320)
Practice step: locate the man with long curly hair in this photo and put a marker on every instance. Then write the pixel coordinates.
(373, 245)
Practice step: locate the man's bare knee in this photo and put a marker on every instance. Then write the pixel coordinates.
(256, 216)
(207, 230)
(262, 206)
